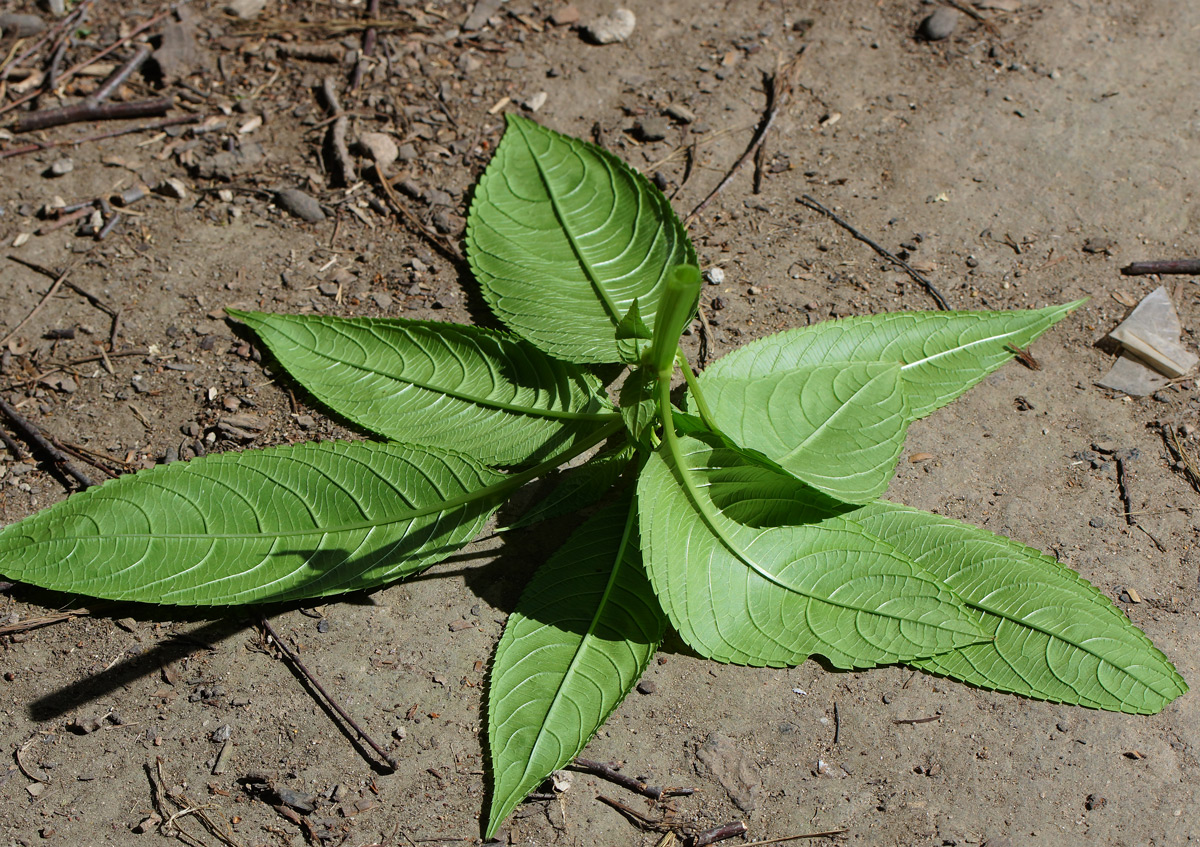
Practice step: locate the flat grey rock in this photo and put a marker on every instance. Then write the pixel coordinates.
(303, 206)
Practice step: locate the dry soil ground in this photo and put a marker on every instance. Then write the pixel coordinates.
(995, 155)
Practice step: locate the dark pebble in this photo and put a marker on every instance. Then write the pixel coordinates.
(303, 206)
(972, 262)
(940, 25)
(647, 686)
(1095, 801)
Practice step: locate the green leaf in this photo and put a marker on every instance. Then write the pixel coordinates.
(638, 407)
(441, 385)
(754, 567)
(579, 487)
(579, 640)
(839, 427)
(942, 353)
(632, 333)
(1053, 635)
(564, 236)
(257, 526)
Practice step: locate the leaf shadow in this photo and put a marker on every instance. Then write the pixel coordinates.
(497, 581)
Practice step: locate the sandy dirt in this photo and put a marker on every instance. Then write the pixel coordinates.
(995, 155)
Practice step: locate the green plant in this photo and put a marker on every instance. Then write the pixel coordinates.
(749, 519)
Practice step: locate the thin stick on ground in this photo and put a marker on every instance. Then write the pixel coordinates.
(43, 620)
(604, 771)
(719, 833)
(779, 89)
(929, 287)
(50, 292)
(93, 107)
(336, 139)
(334, 704)
(82, 292)
(70, 72)
(1164, 266)
(103, 357)
(829, 833)
(635, 817)
(33, 436)
(443, 246)
(1181, 455)
(100, 136)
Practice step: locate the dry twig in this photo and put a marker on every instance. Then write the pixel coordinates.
(57, 284)
(926, 284)
(290, 655)
(1165, 266)
(779, 89)
(33, 436)
(335, 141)
(604, 771)
(93, 107)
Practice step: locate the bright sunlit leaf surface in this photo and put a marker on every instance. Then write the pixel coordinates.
(579, 639)
(258, 526)
(564, 236)
(754, 567)
(447, 386)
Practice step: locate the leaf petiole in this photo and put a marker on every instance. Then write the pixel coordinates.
(693, 385)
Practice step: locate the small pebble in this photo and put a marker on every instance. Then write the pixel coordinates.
(15, 25)
(1096, 523)
(537, 101)
(381, 147)
(1099, 244)
(382, 299)
(647, 686)
(407, 152)
(303, 206)
(246, 9)
(1095, 801)
(173, 188)
(940, 25)
(716, 276)
(972, 262)
(565, 16)
(650, 129)
(681, 113)
(611, 29)
(62, 167)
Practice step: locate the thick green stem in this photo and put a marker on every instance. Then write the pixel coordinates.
(675, 309)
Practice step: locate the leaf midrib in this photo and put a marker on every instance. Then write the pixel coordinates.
(496, 489)
(842, 411)
(983, 607)
(581, 647)
(610, 307)
(531, 411)
(672, 443)
(965, 347)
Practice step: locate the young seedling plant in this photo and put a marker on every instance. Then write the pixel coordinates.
(747, 518)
